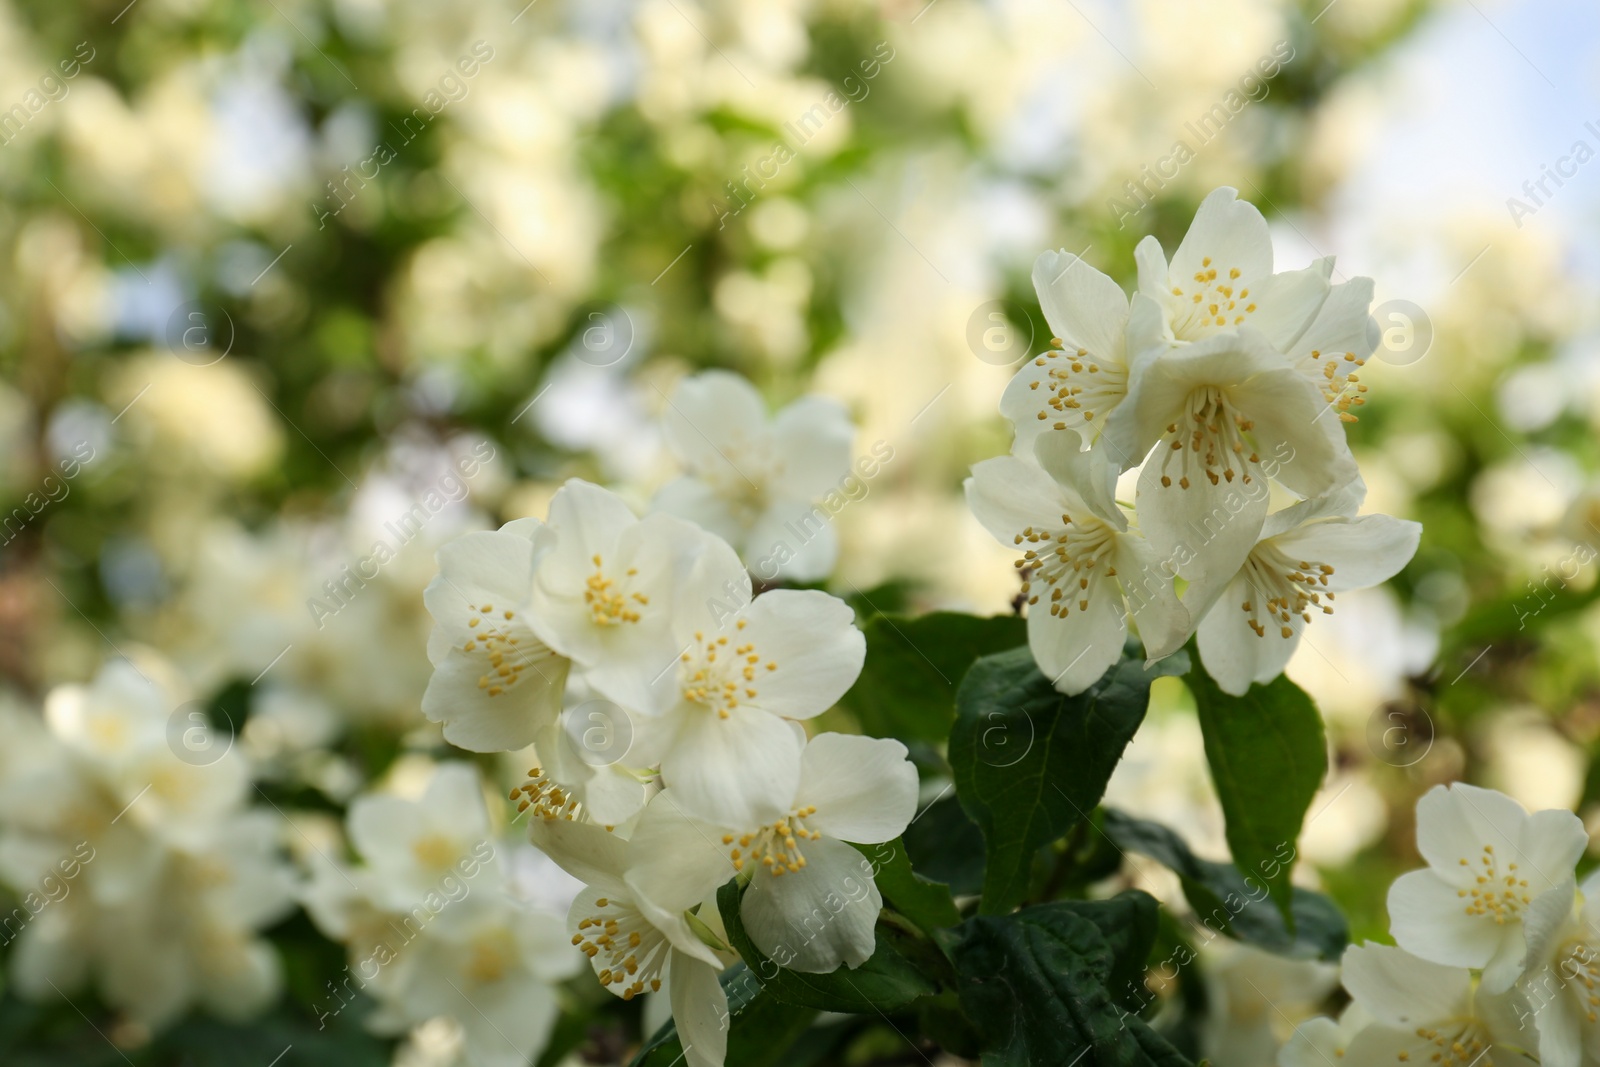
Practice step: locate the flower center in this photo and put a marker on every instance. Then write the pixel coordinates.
(489, 961)
(624, 949)
(1208, 305)
(610, 604)
(718, 676)
(549, 800)
(1070, 559)
(498, 642)
(775, 846)
(1340, 386)
(1580, 966)
(1493, 893)
(1077, 386)
(435, 851)
(1208, 439)
(1284, 589)
(1460, 1045)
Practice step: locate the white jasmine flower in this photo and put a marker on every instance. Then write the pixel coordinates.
(753, 481)
(812, 903)
(1251, 621)
(1079, 381)
(1491, 867)
(1562, 981)
(603, 593)
(1221, 278)
(636, 943)
(493, 971)
(495, 683)
(1430, 1014)
(728, 751)
(1225, 414)
(1079, 556)
(410, 845)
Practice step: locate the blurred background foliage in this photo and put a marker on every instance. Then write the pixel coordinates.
(275, 313)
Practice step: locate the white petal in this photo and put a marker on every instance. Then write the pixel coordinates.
(817, 917)
(811, 441)
(1205, 530)
(480, 721)
(586, 520)
(1231, 233)
(1154, 274)
(1456, 822)
(1315, 1043)
(1398, 989)
(700, 1009)
(1560, 1033)
(1303, 442)
(1287, 303)
(1146, 580)
(812, 638)
(590, 853)
(1008, 495)
(696, 501)
(1235, 655)
(1427, 917)
(792, 539)
(1075, 649)
(482, 567)
(864, 788)
(1363, 551)
(712, 417)
(1552, 841)
(1340, 327)
(1087, 475)
(678, 859)
(740, 771)
(1084, 307)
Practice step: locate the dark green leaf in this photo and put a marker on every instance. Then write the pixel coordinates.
(944, 844)
(761, 1027)
(886, 982)
(1059, 984)
(1030, 763)
(907, 688)
(1268, 757)
(1228, 902)
(926, 903)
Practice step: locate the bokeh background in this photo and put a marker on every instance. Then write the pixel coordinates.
(270, 271)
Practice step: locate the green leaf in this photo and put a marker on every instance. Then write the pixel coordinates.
(886, 982)
(924, 901)
(907, 688)
(946, 846)
(760, 1026)
(1051, 984)
(1229, 903)
(1268, 757)
(1030, 763)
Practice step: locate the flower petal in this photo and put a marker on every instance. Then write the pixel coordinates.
(1084, 307)
(700, 1009)
(1428, 917)
(1075, 649)
(811, 441)
(1364, 551)
(1398, 989)
(739, 772)
(864, 788)
(1231, 233)
(711, 418)
(817, 917)
(812, 640)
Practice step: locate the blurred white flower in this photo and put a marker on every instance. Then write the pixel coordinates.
(1253, 997)
(754, 481)
(1321, 1041)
